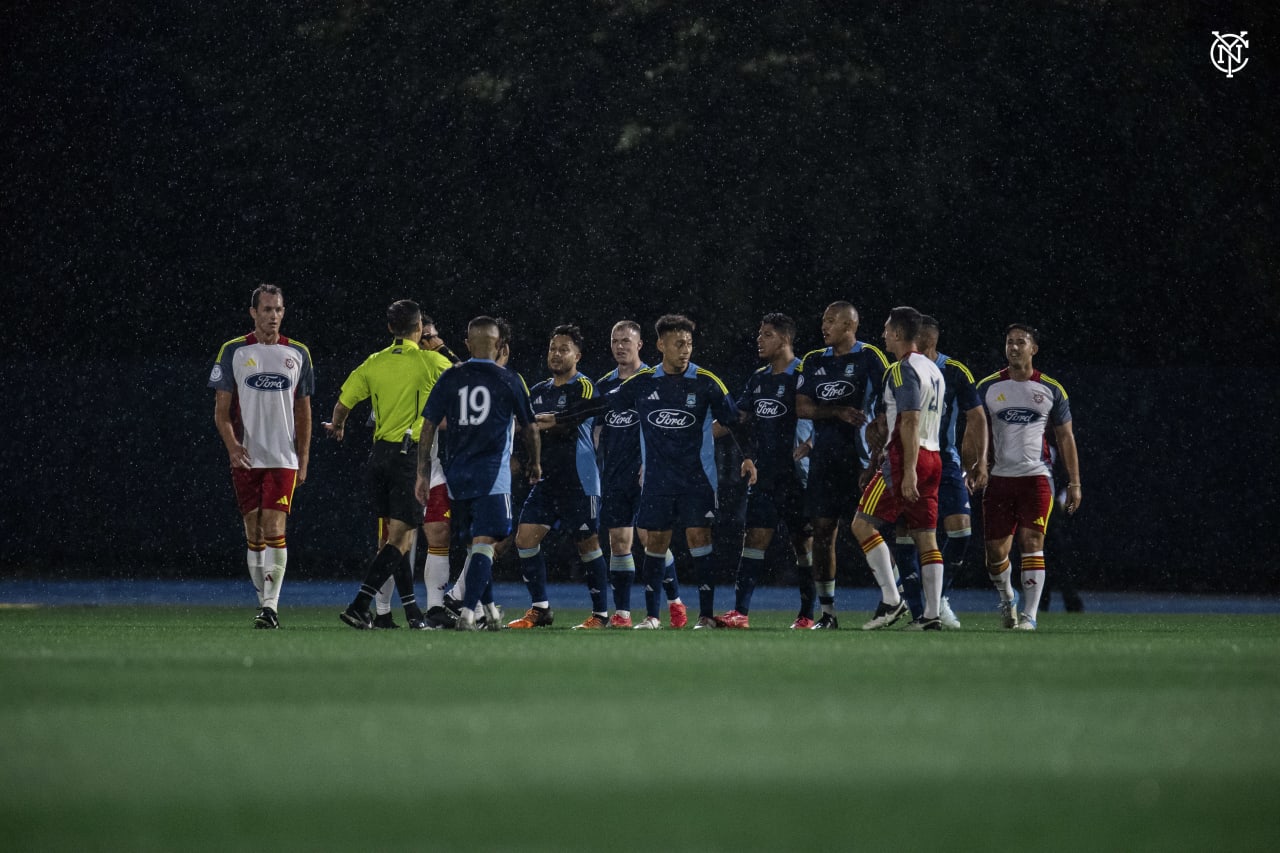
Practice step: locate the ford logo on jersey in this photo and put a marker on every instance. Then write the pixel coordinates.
(1019, 416)
(621, 419)
(268, 382)
(671, 419)
(834, 390)
(770, 408)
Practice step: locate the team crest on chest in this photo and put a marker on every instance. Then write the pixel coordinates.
(782, 389)
(289, 364)
(849, 368)
(560, 404)
(1038, 398)
(691, 400)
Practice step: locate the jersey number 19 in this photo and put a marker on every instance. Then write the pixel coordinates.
(473, 405)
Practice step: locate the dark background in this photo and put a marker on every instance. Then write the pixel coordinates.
(1078, 165)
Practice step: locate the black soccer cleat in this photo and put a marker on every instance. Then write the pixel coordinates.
(361, 620)
(384, 621)
(451, 604)
(827, 622)
(886, 615)
(441, 617)
(266, 619)
(421, 624)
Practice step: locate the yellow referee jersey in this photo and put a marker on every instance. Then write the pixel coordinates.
(397, 380)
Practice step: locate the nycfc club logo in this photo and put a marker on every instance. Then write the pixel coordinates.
(834, 390)
(268, 382)
(770, 409)
(671, 419)
(1227, 52)
(1018, 416)
(621, 419)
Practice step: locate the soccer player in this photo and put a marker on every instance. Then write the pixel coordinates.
(836, 390)
(675, 401)
(907, 482)
(435, 524)
(618, 444)
(1021, 404)
(775, 493)
(262, 385)
(568, 493)
(963, 468)
(398, 379)
(479, 398)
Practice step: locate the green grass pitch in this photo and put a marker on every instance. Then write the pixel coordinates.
(167, 728)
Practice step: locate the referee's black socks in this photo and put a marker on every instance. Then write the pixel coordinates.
(383, 565)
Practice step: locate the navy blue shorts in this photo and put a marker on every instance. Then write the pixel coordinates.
(575, 513)
(489, 515)
(782, 501)
(953, 497)
(833, 490)
(695, 508)
(618, 507)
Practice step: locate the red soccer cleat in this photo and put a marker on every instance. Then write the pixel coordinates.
(802, 622)
(733, 619)
(616, 621)
(679, 615)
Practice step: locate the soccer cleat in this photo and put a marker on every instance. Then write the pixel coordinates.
(802, 623)
(534, 617)
(616, 621)
(1025, 623)
(826, 622)
(886, 615)
(594, 622)
(733, 619)
(466, 621)
(491, 619)
(649, 623)
(267, 619)
(384, 621)
(1008, 614)
(361, 620)
(452, 604)
(914, 625)
(441, 617)
(679, 614)
(947, 615)
(927, 624)
(705, 622)
(422, 624)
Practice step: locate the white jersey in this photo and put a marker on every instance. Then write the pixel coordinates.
(915, 384)
(264, 380)
(1019, 413)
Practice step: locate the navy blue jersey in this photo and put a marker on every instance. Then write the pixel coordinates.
(479, 398)
(770, 401)
(568, 454)
(675, 414)
(960, 397)
(619, 440)
(852, 379)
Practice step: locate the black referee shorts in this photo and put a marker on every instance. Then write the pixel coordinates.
(391, 476)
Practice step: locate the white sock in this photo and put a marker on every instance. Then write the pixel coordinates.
(1032, 582)
(880, 559)
(1003, 581)
(931, 580)
(382, 601)
(255, 559)
(273, 576)
(437, 578)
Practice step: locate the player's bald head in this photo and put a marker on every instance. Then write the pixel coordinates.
(482, 336)
(843, 310)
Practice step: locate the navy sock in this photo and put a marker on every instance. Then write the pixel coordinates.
(954, 551)
(808, 591)
(750, 564)
(622, 573)
(670, 581)
(909, 576)
(597, 571)
(652, 581)
(533, 569)
(479, 576)
(704, 568)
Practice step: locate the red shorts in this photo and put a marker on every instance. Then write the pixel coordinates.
(437, 508)
(264, 488)
(1013, 502)
(882, 498)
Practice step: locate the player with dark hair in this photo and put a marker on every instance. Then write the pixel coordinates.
(837, 390)
(768, 405)
(676, 401)
(398, 380)
(964, 469)
(262, 384)
(568, 493)
(480, 399)
(1022, 403)
(906, 484)
(617, 436)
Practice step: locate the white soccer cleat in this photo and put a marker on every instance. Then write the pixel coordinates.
(1008, 614)
(649, 623)
(947, 615)
(1025, 623)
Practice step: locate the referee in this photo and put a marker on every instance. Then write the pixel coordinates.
(398, 380)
